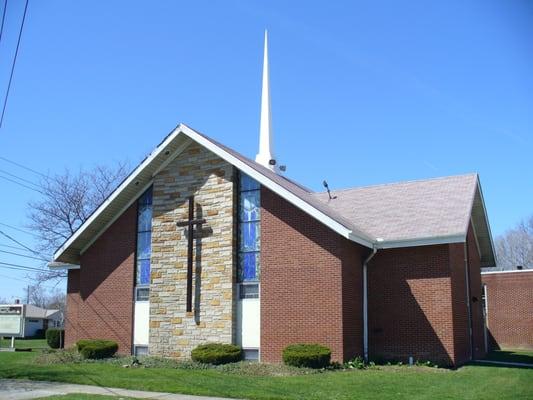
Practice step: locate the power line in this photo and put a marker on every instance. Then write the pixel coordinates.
(19, 178)
(19, 243)
(13, 247)
(28, 281)
(21, 267)
(20, 184)
(14, 62)
(23, 166)
(21, 230)
(3, 19)
(23, 255)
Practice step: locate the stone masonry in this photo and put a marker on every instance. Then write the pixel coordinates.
(173, 332)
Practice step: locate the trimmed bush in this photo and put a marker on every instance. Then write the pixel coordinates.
(216, 353)
(96, 348)
(55, 338)
(307, 355)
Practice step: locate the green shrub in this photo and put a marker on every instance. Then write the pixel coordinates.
(55, 338)
(96, 348)
(307, 355)
(216, 353)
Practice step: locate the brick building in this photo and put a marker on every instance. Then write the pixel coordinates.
(201, 244)
(509, 309)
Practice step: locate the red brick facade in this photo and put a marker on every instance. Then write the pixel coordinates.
(100, 294)
(510, 309)
(311, 291)
(417, 304)
(311, 283)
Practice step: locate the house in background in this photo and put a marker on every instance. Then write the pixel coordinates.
(202, 244)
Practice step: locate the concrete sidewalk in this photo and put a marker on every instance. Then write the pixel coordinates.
(16, 389)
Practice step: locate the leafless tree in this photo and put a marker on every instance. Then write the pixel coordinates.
(53, 299)
(515, 247)
(67, 201)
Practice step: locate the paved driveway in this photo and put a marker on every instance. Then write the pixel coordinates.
(16, 389)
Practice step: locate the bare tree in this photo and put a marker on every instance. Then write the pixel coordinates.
(67, 201)
(53, 299)
(515, 247)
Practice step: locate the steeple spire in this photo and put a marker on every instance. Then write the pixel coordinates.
(266, 156)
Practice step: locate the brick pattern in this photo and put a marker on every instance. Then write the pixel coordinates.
(303, 296)
(100, 294)
(510, 309)
(410, 311)
(173, 331)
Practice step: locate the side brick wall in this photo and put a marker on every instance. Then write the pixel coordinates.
(100, 294)
(510, 309)
(311, 286)
(410, 310)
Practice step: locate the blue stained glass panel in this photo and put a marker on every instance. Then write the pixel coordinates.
(145, 218)
(249, 266)
(249, 236)
(143, 272)
(144, 244)
(247, 183)
(249, 207)
(146, 198)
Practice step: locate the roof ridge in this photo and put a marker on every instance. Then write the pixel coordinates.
(398, 183)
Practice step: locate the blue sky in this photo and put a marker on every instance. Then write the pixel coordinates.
(362, 92)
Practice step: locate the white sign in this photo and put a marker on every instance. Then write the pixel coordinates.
(11, 321)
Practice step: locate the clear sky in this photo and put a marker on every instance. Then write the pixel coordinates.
(363, 92)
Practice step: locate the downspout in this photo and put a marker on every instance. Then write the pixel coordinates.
(365, 302)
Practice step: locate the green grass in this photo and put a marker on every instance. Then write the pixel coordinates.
(469, 382)
(25, 343)
(509, 355)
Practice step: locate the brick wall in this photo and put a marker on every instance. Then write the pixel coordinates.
(410, 311)
(510, 309)
(311, 284)
(173, 331)
(100, 294)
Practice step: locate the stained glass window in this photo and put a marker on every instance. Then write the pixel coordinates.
(144, 239)
(249, 229)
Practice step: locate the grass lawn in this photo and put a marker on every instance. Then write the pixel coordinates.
(25, 343)
(509, 355)
(470, 382)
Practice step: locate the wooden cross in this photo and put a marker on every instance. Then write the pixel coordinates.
(190, 223)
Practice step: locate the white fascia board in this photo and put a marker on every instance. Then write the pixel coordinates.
(117, 191)
(392, 244)
(60, 266)
(486, 219)
(514, 271)
(287, 195)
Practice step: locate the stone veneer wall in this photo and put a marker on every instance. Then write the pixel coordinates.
(173, 332)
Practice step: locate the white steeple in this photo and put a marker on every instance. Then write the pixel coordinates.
(266, 155)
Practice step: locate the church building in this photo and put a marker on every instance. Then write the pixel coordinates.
(202, 244)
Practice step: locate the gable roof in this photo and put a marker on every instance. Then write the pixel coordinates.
(379, 216)
(420, 212)
(32, 311)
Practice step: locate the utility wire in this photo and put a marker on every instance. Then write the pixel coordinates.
(20, 178)
(21, 230)
(23, 255)
(13, 247)
(3, 19)
(21, 267)
(19, 243)
(14, 62)
(23, 166)
(20, 184)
